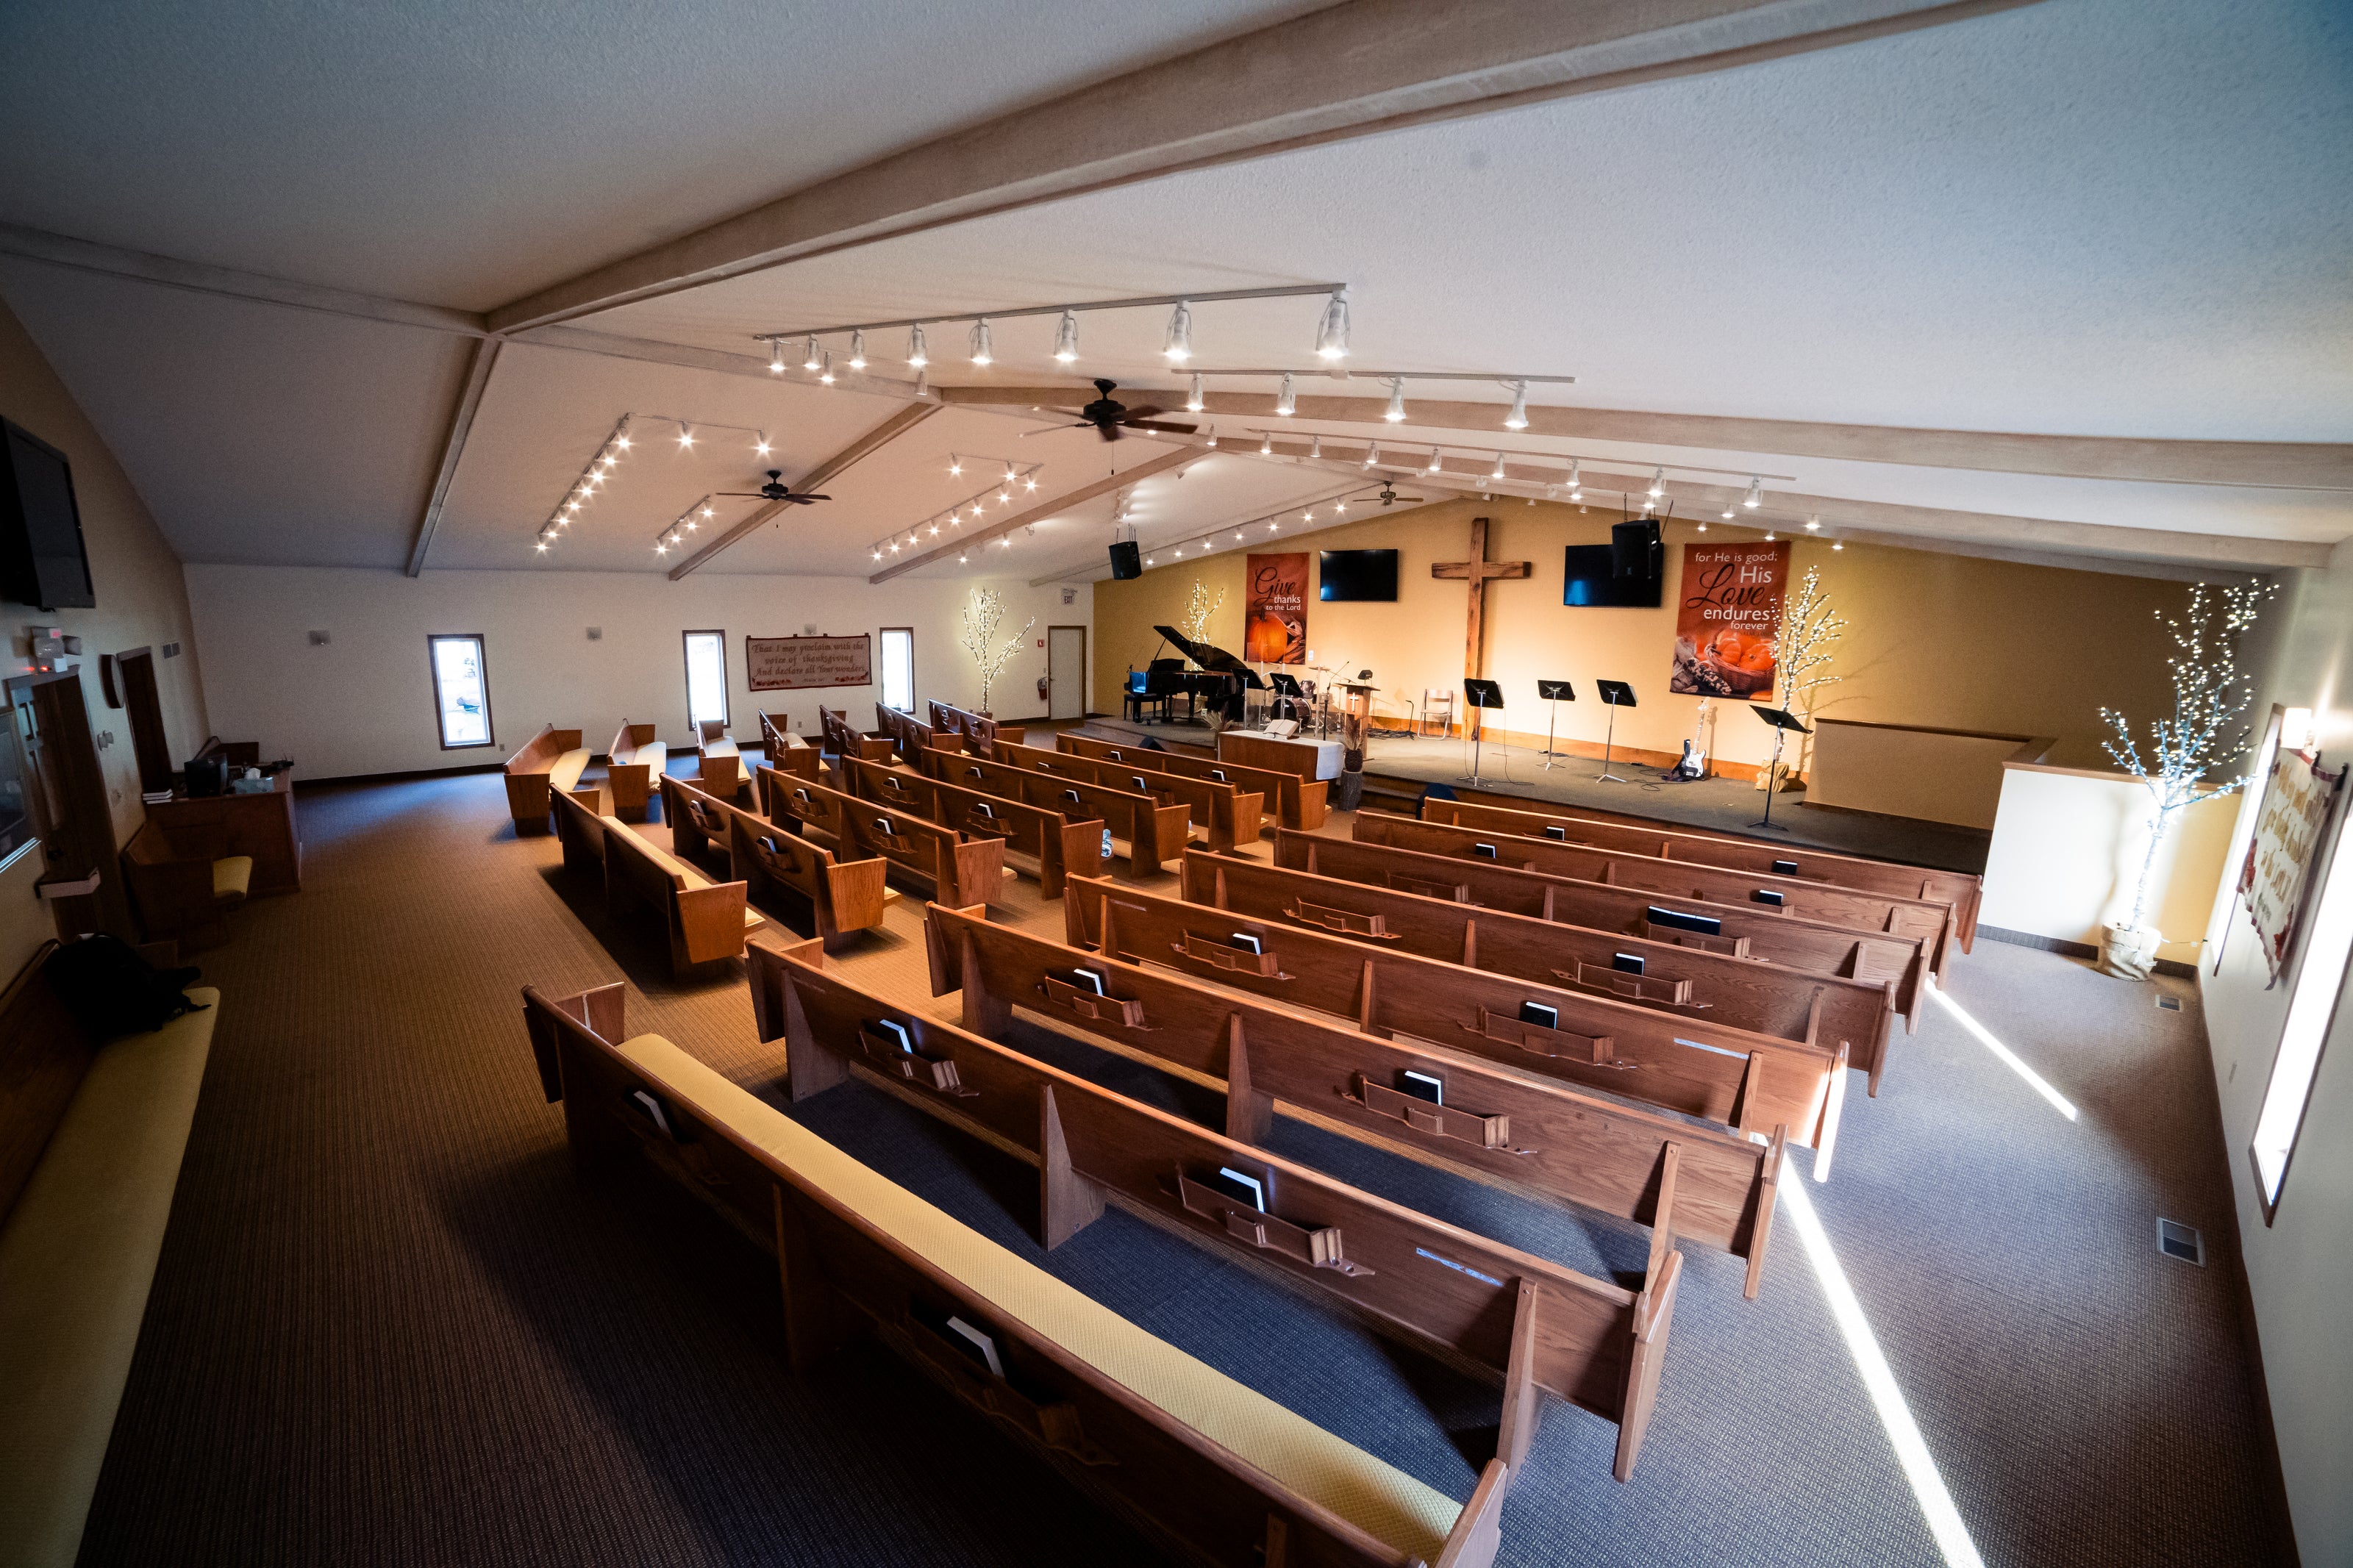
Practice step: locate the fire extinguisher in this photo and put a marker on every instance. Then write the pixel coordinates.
(1045, 687)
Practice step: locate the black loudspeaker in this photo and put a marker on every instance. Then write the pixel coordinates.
(1126, 560)
(1636, 551)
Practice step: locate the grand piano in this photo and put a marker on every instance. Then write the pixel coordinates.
(1219, 680)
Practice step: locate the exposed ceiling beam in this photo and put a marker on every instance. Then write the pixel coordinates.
(35, 245)
(2263, 464)
(1343, 71)
(1042, 510)
(874, 441)
(453, 446)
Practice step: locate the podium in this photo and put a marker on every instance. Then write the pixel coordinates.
(1355, 720)
(1616, 694)
(1555, 693)
(1783, 723)
(1481, 695)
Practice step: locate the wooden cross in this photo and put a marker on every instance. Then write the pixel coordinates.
(1478, 572)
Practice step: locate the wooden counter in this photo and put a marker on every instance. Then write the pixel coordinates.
(261, 825)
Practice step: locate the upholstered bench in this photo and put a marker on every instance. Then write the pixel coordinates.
(78, 1250)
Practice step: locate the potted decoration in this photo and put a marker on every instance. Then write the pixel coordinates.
(2208, 693)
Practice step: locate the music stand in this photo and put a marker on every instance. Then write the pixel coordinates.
(1783, 722)
(1616, 694)
(1480, 694)
(1555, 693)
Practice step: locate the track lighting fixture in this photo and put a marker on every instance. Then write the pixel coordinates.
(707, 512)
(661, 549)
(1436, 462)
(1315, 448)
(981, 349)
(1066, 339)
(776, 356)
(1727, 514)
(1266, 445)
(1033, 481)
(1499, 467)
(1576, 484)
(622, 442)
(1658, 483)
(922, 383)
(810, 361)
(955, 465)
(1703, 528)
(1332, 331)
(1395, 414)
(1178, 347)
(1372, 454)
(1340, 507)
(1287, 400)
(962, 559)
(1195, 402)
(858, 351)
(685, 438)
(878, 555)
(760, 447)
(1838, 544)
(1517, 419)
(1813, 525)
(825, 368)
(1755, 497)
(542, 547)
(917, 355)
(1769, 536)
(1213, 443)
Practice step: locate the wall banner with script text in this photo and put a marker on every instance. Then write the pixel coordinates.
(2295, 805)
(1728, 620)
(1275, 629)
(791, 664)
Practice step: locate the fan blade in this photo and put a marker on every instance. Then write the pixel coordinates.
(1142, 411)
(1108, 430)
(748, 495)
(1050, 429)
(799, 499)
(1161, 424)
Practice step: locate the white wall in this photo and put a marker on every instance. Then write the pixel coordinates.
(2067, 850)
(363, 702)
(2300, 1269)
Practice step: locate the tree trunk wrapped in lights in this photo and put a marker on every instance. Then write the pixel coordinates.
(982, 616)
(2209, 694)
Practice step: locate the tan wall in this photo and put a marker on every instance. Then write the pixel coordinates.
(1126, 641)
(1944, 640)
(142, 602)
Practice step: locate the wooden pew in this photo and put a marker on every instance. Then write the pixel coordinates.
(1152, 833)
(1498, 1124)
(1742, 1082)
(580, 818)
(842, 738)
(1092, 1145)
(1672, 841)
(719, 765)
(552, 760)
(635, 759)
(844, 896)
(910, 736)
(1298, 803)
(1204, 1465)
(1743, 993)
(1740, 930)
(1055, 846)
(980, 732)
(1228, 815)
(1859, 911)
(942, 860)
(705, 920)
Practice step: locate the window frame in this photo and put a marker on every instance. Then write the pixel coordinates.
(482, 662)
(726, 699)
(881, 675)
(2335, 863)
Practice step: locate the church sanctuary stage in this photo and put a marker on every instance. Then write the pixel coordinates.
(1397, 767)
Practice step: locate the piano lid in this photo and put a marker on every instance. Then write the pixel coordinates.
(1210, 656)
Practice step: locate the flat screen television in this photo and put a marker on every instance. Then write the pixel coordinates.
(1592, 581)
(1344, 574)
(42, 562)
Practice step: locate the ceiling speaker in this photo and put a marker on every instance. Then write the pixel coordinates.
(1126, 560)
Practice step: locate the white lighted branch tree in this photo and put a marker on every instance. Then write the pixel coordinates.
(1199, 608)
(2209, 694)
(1808, 626)
(982, 614)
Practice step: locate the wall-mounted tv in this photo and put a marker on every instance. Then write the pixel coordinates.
(1345, 574)
(42, 562)
(1591, 582)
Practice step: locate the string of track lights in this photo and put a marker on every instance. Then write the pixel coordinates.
(1018, 476)
(1206, 542)
(609, 453)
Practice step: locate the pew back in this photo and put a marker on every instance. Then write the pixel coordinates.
(943, 859)
(845, 896)
(530, 776)
(631, 764)
(705, 920)
(1155, 833)
(1060, 846)
(842, 738)
(1296, 803)
(1228, 815)
(979, 731)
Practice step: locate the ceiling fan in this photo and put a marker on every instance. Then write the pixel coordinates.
(1110, 416)
(776, 490)
(1389, 497)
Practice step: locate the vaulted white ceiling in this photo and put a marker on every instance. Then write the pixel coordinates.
(2082, 218)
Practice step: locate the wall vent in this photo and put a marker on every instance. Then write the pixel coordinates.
(2180, 1241)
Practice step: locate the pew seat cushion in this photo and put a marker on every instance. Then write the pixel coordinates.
(1384, 1501)
(654, 755)
(77, 1256)
(690, 876)
(232, 877)
(565, 773)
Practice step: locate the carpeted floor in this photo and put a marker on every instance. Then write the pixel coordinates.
(391, 1328)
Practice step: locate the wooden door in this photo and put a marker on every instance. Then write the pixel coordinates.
(136, 671)
(68, 790)
(1066, 669)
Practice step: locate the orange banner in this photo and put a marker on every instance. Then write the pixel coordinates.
(1728, 621)
(1275, 631)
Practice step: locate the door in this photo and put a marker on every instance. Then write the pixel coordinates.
(1066, 668)
(68, 791)
(136, 671)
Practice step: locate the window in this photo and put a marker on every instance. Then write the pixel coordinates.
(2311, 1009)
(899, 669)
(462, 692)
(706, 678)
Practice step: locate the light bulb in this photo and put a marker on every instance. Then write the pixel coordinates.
(1517, 419)
(1238, 533)
(1066, 339)
(1341, 508)
(1576, 485)
(1194, 402)
(1033, 482)
(1372, 454)
(1755, 497)
(962, 559)
(760, 447)
(922, 383)
(1434, 462)
(1499, 467)
(858, 351)
(776, 356)
(707, 512)
(894, 547)
(1178, 346)
(692, 525)
(1152, 561)
(955, 465)
(825, 368)
(1727, 514)
(811, 361)
(685, 438)
(1307, 517)
(1006, 495)
(916, 356)
(980, 351)
(1703, 528)
(1658, 483)
(1813, 525)
(1287, 400)
(622, 442)
(542, 547)
(935, 531)
(878, 555)
(661, 549)
(1769, 536)
(1396, 415)
(1838, 544)
(1266, 446)
(1332, 331)
(1213, 438)
(1316, 447)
